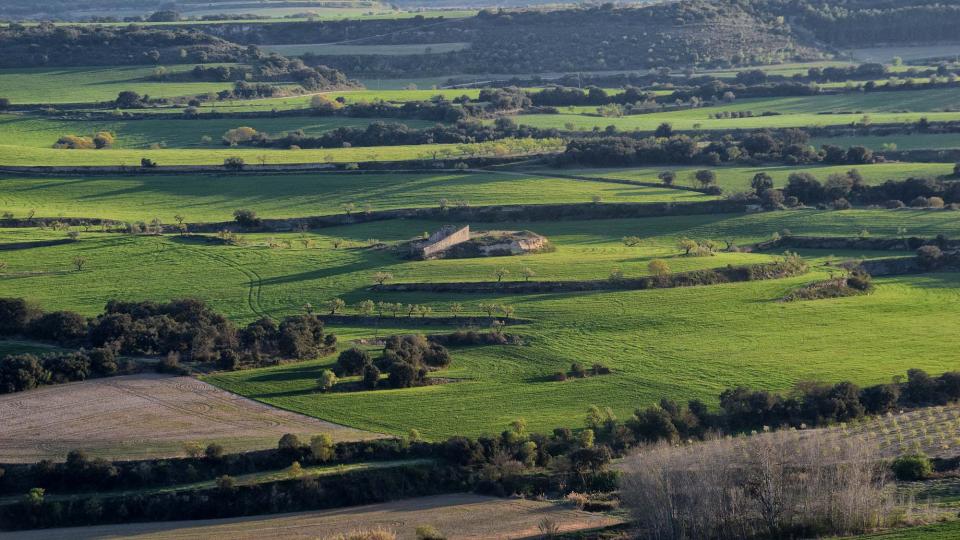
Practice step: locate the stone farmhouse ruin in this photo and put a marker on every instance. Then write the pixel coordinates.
(459, 242)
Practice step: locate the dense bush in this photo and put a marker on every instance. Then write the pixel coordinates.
(912, 467)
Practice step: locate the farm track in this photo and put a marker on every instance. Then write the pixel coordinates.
(255, 287)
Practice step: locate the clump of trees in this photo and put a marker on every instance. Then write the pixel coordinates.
(855, 283)
(185, 329)
(406, 360)
(389, 134)
(27, 371)
(101, 139)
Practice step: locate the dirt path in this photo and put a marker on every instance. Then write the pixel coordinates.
(459, 516)
(141, 416)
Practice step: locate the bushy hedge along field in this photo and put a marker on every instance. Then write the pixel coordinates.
(16, 155)
(652, 340)
(737, 178)
(43, 132)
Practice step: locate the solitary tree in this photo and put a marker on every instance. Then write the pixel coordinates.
(233, 163)
(79, 262)
(761, 182)
(664, 130)
(501, 273)
(321, 446)
(488, 308)
(667, 177)
(246, 218)
(456, 309)
(687, 245)
(631, 241)
(527, 273)
(382, 277)
(327, 380)
(705, 178)
(365, 307)
(659, 267)
(335, 305)
(507, 311)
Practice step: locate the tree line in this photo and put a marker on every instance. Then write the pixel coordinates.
(384, 134)
(785, 146)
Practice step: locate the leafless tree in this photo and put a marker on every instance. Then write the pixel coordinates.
(772, 485)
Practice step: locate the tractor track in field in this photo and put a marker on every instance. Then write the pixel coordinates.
(255, 285)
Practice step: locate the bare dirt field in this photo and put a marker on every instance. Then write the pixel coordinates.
(461, 516)
(143, 416)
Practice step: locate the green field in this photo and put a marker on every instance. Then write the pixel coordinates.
(939, 531)
(825, 110)
(95, 84)
(119, 157)
(734, 179)
(43, 132)
(684, 343)
(216, 197)
(913, 141)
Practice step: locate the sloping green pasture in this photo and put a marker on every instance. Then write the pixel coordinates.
(43, 132)
(684, 343)
(95, 84)
(826, 110)
(215, 197)
(734, 179)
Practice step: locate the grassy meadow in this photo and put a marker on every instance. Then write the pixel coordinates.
(810, 111)
(43, 132)
(737, 178)
(95, 84)
(122, 157)
(683, 343)
(215, 197)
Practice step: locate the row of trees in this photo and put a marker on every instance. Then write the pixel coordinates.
(499, 464)
(787, 146)
(384, 134)
(805, 188)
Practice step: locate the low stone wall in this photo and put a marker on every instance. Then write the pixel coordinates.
(458, 236)
(854, 243)
(465, 321)
(407, 166)
(729, 274)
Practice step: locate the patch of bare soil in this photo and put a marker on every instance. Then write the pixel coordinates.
(460, 516)
(142, 416)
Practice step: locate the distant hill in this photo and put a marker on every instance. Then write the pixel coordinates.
(528, 41)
